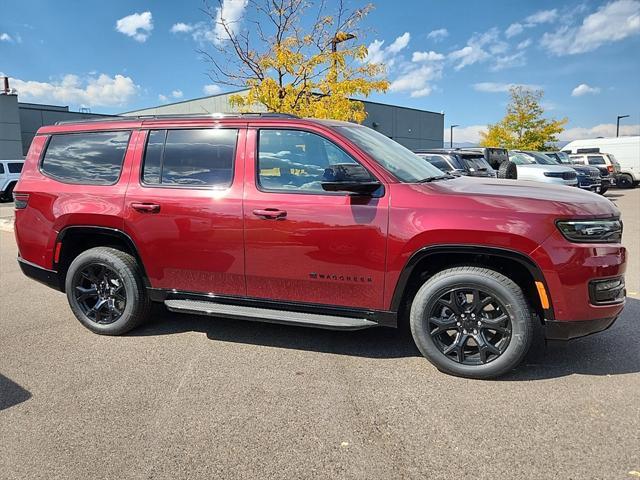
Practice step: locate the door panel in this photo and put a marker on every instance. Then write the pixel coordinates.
(312, 247)
(190, 236)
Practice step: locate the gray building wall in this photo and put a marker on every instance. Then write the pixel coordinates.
(10, 141)
(411, 127)
(33, 116)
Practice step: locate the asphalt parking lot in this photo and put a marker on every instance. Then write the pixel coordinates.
(196, 397)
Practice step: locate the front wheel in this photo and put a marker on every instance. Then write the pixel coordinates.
(106, 292)
(603, 190)
(472, 322)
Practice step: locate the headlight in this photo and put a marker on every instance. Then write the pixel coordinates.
(590, 231)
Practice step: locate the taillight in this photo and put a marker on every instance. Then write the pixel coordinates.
(610, 168)
(20, 200)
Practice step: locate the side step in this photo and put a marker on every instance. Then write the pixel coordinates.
(330, 322)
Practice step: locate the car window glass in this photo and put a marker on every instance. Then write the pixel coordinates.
(192, 157)
(1, 168)
(91, 158)
(438, 161)
(15, 167)
(476, 162)
(294, 160)
(595, 160)
(520, 159)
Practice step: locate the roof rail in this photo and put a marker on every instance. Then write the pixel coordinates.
(128, 118)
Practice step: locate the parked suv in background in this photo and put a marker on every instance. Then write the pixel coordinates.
(588, 177)
(606, 163)
(316, 223)
(535, 167)
(9, 175)
(458, 161)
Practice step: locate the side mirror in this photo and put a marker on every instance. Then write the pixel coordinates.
(349, 177)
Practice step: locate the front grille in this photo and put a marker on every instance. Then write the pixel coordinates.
(608, 290)
(594, 174)
(569, 175)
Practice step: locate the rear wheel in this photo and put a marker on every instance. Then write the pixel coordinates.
(625, 181)
(7, 195)
(603, 190)
(106, 292)
(472, 322)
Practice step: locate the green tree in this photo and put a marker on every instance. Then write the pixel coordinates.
(296, 57)
(523, 127)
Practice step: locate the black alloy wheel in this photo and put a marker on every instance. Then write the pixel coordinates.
(470, 326)
(100, 293)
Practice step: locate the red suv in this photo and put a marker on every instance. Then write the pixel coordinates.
(317, 223)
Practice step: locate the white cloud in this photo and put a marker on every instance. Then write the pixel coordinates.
(211, 89)
(612, 22)
(162, 98)
(583, 89)
(493, 87)
(524, 44)
(509, 61)
(437, 35)
(101, 90)
(182, 28)
(513, 30)
(470, 134)
(602, 130)
(231, 13)
(429, 56)
(137, 26)
(177, 94)
(400, 43)
(543, 16)
(5, 37)
(468, 56)
(416, 80)
(376, 53)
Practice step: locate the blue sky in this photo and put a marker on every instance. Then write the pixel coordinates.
(458, 57)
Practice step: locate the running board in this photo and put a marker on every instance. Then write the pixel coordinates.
(330, 322)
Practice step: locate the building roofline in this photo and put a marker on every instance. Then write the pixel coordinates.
(187, 101)
(398, 106)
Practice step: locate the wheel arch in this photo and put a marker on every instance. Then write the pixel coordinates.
(428, 261)
(76, 239)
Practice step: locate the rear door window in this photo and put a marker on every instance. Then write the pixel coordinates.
(201, 157)
(89, 158)
(1, 169)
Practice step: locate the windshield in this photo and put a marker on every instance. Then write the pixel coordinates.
(405, 165)
(542, 159)
(475, 162)
(521, 158)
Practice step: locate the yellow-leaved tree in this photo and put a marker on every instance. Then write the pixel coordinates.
(295, 57)
(523, 127)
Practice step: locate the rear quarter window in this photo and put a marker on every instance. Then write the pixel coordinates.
(89, 158)
(15, 167)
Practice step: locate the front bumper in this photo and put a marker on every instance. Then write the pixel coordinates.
(555, 330)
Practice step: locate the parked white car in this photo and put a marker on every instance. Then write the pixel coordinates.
(9, 175)
(529, 169)
(626, 151)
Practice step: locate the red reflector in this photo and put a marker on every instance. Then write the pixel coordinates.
(56, 256)
(20, 200)
(610, 168)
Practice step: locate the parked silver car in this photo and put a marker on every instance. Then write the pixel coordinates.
(9, 175)
(529, 169)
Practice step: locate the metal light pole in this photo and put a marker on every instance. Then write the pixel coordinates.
(338, 38)
(451, 136)
(618, 124)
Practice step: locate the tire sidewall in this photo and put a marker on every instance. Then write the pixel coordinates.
(625, 181)
(520, 316)
(130, 285)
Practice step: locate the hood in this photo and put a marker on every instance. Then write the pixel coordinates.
(522, 196)
(546, 168)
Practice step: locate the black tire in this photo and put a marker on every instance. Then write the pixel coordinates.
(624, 180)
(508, 170)
(7, 195)
(603, 190)
(511, 346)
(120, 286)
